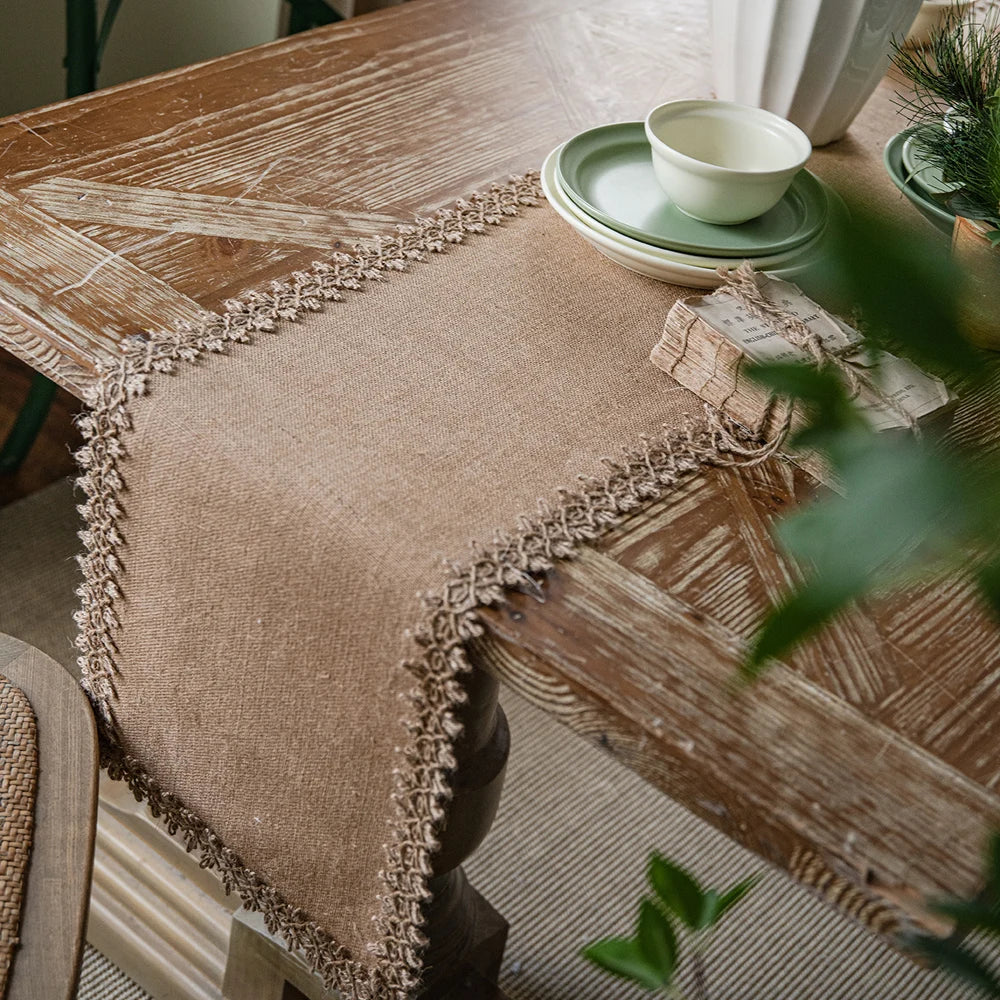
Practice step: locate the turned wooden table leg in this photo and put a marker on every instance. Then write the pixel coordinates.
(466, 935)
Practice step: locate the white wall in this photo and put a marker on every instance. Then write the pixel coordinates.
(149, 36)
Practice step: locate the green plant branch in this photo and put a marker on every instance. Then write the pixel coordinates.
(958, 69)
(954, 111)
(652, 955)
(700, 978)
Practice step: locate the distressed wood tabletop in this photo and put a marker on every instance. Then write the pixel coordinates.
(868, 763)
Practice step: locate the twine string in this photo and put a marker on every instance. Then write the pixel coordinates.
(742, 285)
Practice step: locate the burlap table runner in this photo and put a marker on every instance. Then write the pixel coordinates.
(261, 522)
(18, 777)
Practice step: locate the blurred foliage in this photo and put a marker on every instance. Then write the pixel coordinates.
(978, 917)
(680, 911)
(910, 503)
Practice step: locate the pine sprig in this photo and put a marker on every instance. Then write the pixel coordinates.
(955, 110)
(958, 71)
(967, 152)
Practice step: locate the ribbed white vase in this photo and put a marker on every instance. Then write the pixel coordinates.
(814, 62)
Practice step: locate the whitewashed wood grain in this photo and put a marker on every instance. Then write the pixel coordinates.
(42, 355)
(781, 763)
(86, 297)
(122, 205)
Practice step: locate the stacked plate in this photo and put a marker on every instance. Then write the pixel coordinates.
(919, 180)
(602, 183)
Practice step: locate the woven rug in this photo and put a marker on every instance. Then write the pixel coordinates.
(18, 777)
(564, 860)
(101, 979)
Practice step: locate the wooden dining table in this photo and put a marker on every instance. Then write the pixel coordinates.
(867, 763)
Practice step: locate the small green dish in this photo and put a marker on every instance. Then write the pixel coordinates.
(608, 172)
(922, 173)
(934, 212)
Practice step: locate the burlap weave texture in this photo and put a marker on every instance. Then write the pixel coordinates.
(284, 504)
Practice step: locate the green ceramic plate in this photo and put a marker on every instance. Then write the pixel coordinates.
(934, 212)
(923, 174)
(608, 172)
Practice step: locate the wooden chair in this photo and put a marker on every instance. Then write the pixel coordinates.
(57, 882)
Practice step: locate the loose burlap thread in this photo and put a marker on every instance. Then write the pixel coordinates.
(258, 527)
(18, 778)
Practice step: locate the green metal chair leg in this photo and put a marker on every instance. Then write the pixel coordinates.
(85, 41)
(306, 14)
(86, 36)
(27, 425)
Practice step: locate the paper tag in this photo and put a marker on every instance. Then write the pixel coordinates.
(756, 337)
(908, 389)
(909, 393)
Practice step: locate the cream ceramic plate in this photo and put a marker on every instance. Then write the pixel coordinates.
(655, 262)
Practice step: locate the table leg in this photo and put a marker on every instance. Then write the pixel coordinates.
(259, 966)
(465, 932)
(467, 938)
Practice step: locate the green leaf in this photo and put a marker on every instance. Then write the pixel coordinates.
(988, 582)
(905, 505)
(735, 893)
(801, 614)
(656, 939)
(981, 913)
(953, 958)
(828, 407)
(970, 207)
(901, 499)
(623, 957)
(969, 914)
(710, 909)
(993, 866)
(677, 889)
(804, 381)
(905, 285)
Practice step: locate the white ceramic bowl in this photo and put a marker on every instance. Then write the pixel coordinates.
(721, 162)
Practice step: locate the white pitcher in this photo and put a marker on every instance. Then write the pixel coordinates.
(814, 62)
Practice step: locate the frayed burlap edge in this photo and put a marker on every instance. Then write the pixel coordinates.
(449, 619)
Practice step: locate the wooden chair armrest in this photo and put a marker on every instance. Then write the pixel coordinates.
(54, 911)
